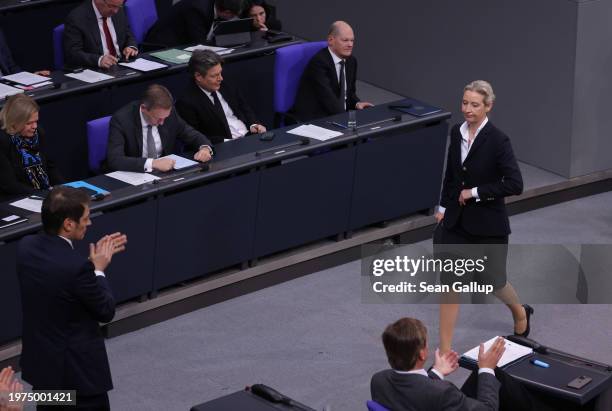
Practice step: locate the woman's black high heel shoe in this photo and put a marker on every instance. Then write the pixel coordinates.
(528, 312)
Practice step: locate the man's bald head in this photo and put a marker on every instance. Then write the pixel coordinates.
(340, 39)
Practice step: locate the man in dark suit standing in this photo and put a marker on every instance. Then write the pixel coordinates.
(97, 34)
(407, 386)
(143, 131)
(211, 106)
(64, 296)
(192, 21)
(328, 86)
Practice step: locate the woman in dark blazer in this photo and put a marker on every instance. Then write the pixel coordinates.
(262, 16)
(481, 171)
(24, 166)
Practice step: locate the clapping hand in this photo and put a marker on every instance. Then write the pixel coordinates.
(9, 384)
(102, 252)
(491, 357)
(446, 363)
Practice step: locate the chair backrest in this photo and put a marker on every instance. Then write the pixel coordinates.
(58, 47)
(97, 141)
(289, 66)
(141, 14)
(374, 406)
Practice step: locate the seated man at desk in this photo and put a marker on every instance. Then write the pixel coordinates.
(97, 34)
(407, 386)
(7, 64)
(328, 86)
(211, 106)
(192, 21)
(144, 130)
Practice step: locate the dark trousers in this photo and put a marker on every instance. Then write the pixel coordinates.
(514, 396)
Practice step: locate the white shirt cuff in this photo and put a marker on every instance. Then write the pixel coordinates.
(438, 373)
(148, 167)
(99, 273)
(99, 60)
(475, 193)
(441, 209)
(487, 370)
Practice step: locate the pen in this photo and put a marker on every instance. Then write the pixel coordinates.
(333, 123)
(539, 363)
(35, 197)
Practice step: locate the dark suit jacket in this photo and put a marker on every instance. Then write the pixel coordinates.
(490, 166)
(319, 91)
(187, 22)
(82, 41)
(410, 392)
(62, 301)
(124, 150)
(13, 180)
(7, 64)
(196, 109)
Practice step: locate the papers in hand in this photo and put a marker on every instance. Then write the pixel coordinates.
(219, 50)
(8, 90)
(31, 204)
(316, 132)
(513, 352)
(26, 78)
(181, 162)
(141, 64)
(89, 76)
(133, 178)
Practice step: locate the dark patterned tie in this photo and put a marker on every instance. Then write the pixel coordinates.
(221, 114)
(342, 85)
(151, 150)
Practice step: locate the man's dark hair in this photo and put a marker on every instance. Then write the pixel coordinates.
(157, 96)
(203, 60)
(403, 340)
(62, 203)
(233, 6)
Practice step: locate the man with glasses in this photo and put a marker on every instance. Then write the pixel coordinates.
(97, 34)
(143, 132)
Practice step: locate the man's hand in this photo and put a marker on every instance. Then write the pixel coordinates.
(163, 164)
(203, 155)
(257, 129)
(108, 61)
(129, 52)
(101, 253)
(439, 216)
(9, 384)
(119, 241)
(45, 73)
(465, 196)
(363, 104)
(446, 363)
(491, 357)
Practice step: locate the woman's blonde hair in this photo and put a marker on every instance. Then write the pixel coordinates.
(483, 88)
(16, 112)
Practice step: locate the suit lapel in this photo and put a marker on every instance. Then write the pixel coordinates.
(138, 128)
(95, 31)
(334, 73)
(479, 141)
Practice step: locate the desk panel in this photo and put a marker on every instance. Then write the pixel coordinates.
(304, 200)
(10, 300)
(398, 173)
(205, 228)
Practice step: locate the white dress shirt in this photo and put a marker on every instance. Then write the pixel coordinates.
(236, 126)
(111, 28)
(337, 61)
(465, 150)
(97, 272)
(145, 148)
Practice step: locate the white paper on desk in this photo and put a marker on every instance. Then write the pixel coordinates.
(26, 78)
(29, 204)
(8, 90)
(203, 47)
(316, 132)
(133, 178)
(181, 162)
(513, 352)
(141, 64)
(89, 76)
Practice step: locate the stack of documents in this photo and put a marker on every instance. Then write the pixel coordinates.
(316, 132)
(219, 50)
(141, 64)
(132, 178)
(89, 76)
(173, 56)
(181, 162)
(513, 352)
(8, 90)
(28, 79)
(33, 204)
